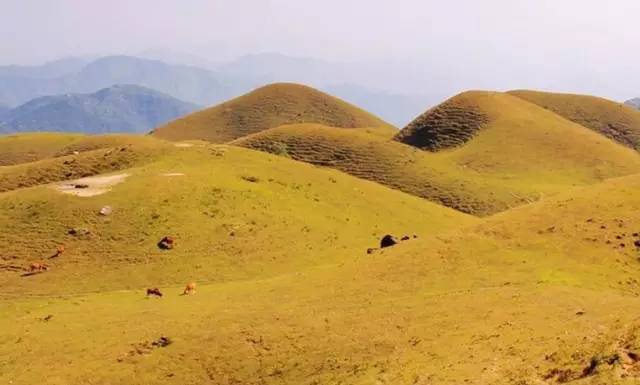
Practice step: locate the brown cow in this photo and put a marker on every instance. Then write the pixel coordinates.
(59, 251)
(166, 243)
(38, 267)
(189, 289)
(154, 291)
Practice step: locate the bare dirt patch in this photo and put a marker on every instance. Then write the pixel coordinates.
(91, 186)
(173, 174)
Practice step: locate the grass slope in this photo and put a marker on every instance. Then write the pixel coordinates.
(532, 296)
(81, 157)
(615, 120)
(24, 148)
(510, 162)
(30, 147)
(268, 107)
(237, 214)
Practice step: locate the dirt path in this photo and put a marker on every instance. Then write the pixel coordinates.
(91, 186)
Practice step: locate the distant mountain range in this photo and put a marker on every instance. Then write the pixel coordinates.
(120, 108)
(395, 108)
(3, 111)
(48, 70)
(191, 84)
(202, 86)
(635, 103)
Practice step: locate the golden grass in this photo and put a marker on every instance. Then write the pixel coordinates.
(268, 107)
(614, 120)
(514, 299)
(24, 148)
(236, 214)
(515, 159)
(126, 152)
(541, 294)
(31, 147)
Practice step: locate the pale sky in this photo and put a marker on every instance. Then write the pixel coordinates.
(583, 46)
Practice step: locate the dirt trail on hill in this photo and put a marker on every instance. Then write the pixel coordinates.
(91, 186)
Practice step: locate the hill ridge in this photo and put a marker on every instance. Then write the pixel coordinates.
(614, 120)
(267, 107)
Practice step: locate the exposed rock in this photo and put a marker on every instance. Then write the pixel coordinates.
(105, 211)
(79, 232)
(388, 241)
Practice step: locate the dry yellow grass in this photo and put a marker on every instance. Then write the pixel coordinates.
(268, 107)
(520, 153)
(614, 120)
(31, 147)
(24, 148)
(236, 214)
(93, 155)
(541, 294)
(532, 296)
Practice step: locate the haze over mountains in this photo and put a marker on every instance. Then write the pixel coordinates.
(202, 86)
(635, 103)
(120, 108)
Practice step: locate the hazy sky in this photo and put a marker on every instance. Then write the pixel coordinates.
(567, 45)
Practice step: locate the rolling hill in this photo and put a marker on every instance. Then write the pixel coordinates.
(298, 216)
(120, 108)
(614, 120)
(542, 294)
(198, 81)
(268, 107)
(489, 152)
(76, 159)
(31, 147)
(292, 287)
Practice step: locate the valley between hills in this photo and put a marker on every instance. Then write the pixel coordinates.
(493, 240)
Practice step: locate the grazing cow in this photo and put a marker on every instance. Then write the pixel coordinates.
(38, 267)
(189, 289)
(59, 251)
(166, 243)
(154, 291)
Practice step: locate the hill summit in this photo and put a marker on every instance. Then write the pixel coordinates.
(268, 107)
(613, 120)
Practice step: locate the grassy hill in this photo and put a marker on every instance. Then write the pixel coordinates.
(23, 148)
(30, 147)
(236, 214)
(615, 120)
(35, 159)
(287, 293)
(513, 160)
(537, 295)
(268, 107)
